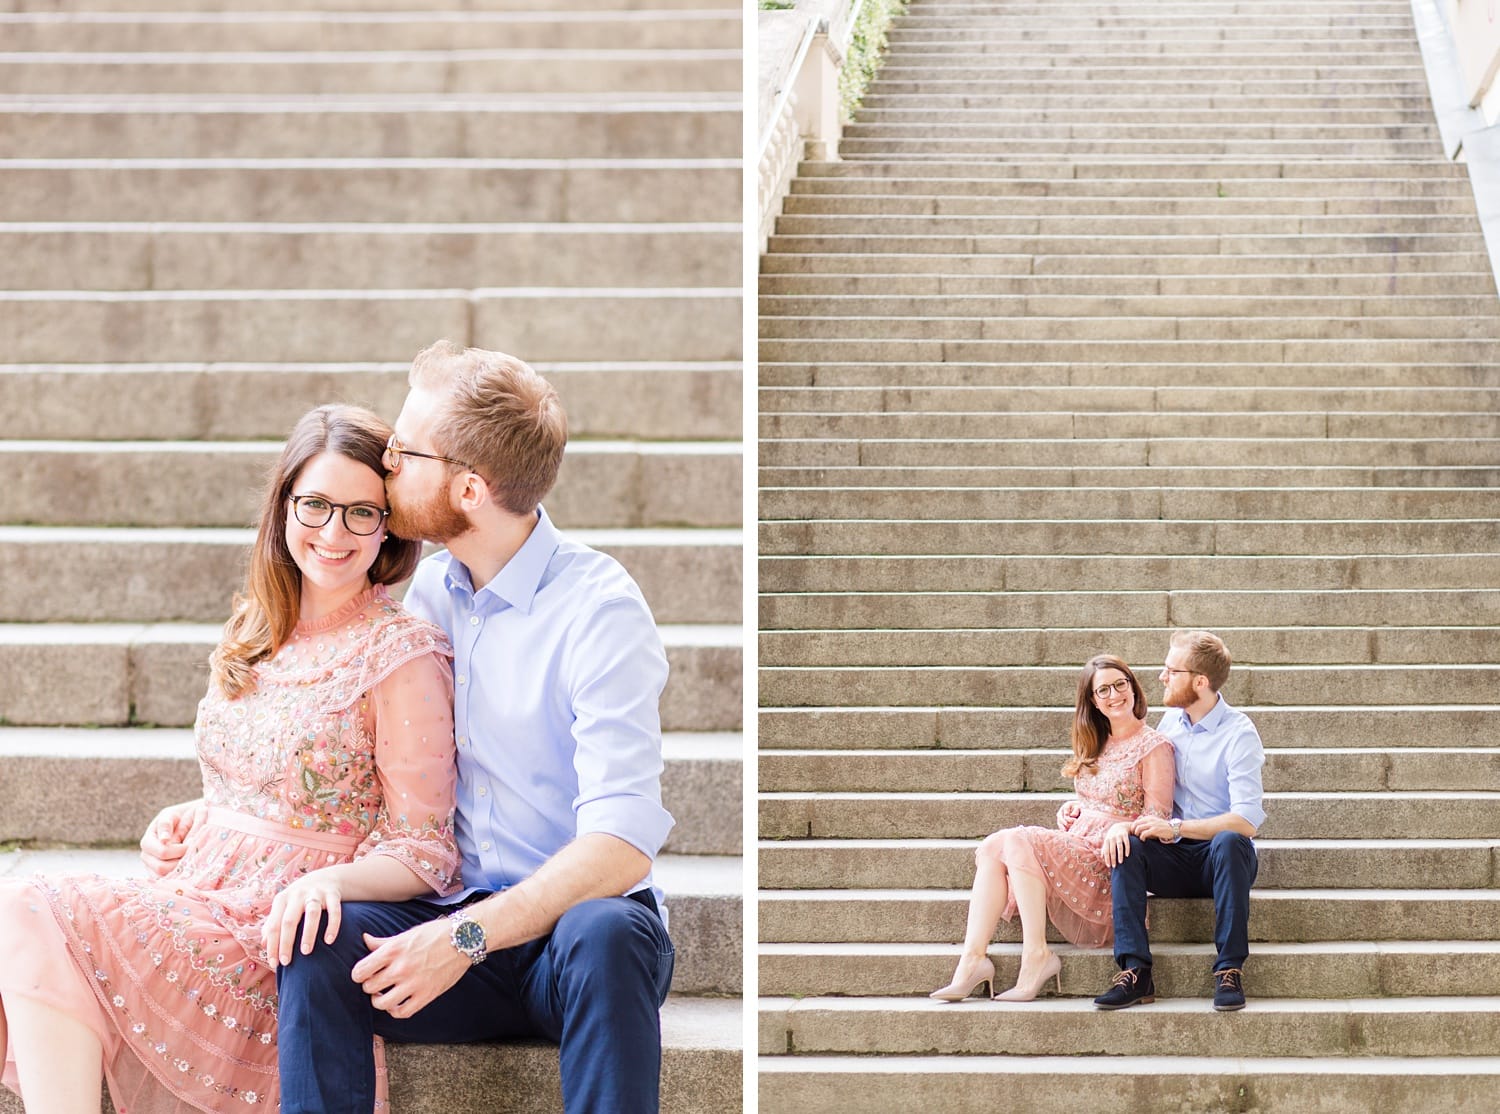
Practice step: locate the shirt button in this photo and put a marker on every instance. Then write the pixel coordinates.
(473, 620)
(462, 740)
(485, 846)
(460, 678)
(483, 791)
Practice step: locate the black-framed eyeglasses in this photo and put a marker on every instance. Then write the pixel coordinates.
(314, 511)
(394, 451)
(1191, 672)
(1121, 686)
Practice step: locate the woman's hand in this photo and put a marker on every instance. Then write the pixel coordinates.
(1116, 847)
(165, 840)
(1067, 813)
(304, 901)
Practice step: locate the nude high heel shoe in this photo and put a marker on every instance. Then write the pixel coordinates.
(1025, 992)
(956, 991)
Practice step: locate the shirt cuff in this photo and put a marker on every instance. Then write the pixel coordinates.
(1251, 812)
(639, 821)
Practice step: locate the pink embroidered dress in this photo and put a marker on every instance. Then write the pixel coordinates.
(1134, 777)
(343, 750)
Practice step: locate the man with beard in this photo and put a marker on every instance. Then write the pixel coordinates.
(1206, 849)
(558, 669)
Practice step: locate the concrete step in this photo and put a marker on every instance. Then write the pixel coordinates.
(1156, 169)
(487, 127)
(1375, 288)
(268, 256)
(837, 257)
(1059, 1084)
(908, 307)
(188, 575)
(1113, 535)
(386, 189)
(1338, 864)
(225, 402)
(1168, 478)
(286, 70)
(1419, 645)
(880, 179)
(113, 674)
(1275, 1027)
(1203, 503)
(1310, 726)
(1225, 376)
(1301, 815)
(305, 31)
(703, 901)
(56, 803)
(938, 202)
(1062, 573)
(1104, 149)
(871, 240)
(363, 325)
(1276, 916)
(1176, 607)
(603, 484)
(1330, 970)
(244, 6)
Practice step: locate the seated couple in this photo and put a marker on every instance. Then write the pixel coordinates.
(373, 858)
(1172, 811)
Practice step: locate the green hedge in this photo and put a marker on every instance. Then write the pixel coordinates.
(865, 48)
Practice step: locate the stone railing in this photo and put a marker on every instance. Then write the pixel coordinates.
(802, 51)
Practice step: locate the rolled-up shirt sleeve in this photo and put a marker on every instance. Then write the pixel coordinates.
(617, 671)
(1245, 757)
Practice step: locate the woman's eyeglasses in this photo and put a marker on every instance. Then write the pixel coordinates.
(313, 511)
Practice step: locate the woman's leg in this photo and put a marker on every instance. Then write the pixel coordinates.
(58, 1058)
(1038, 962)
(986, 903)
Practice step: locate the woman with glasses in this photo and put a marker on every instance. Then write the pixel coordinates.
(326, 748)
(1121, 769)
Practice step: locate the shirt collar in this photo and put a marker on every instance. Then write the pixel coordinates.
(1210, 722)
(518, 581)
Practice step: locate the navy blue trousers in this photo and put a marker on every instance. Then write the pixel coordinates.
(1222, 868)
(594, 987)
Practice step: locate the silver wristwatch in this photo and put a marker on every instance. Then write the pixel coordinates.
(1176, 825)
(467, 936)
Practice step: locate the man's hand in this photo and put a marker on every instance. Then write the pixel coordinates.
(1067, 813)
(404, 973)
(1153, 827)
(1116, 847)
(166, 836)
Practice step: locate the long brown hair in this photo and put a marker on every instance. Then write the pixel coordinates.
(266, 611)
(1090, 725)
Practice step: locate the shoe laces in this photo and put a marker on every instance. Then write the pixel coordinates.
(1229, 978)
(1126, 977)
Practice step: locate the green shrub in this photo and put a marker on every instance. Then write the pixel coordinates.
(866, 46)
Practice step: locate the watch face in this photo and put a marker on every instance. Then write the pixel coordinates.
(468, 936)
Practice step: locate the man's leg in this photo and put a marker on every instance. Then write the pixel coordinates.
(596, 989)
(326, 1022)
(1229, 870)
(1128, 884)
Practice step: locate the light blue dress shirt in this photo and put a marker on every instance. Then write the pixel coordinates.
(1218, 764)
(557, 673)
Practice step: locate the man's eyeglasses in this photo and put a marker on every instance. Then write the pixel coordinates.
(313, 511)
(1120, 686)
(1191, 672)
(394, 451)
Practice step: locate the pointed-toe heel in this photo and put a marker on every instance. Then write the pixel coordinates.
(957, 991)
(1029, 989)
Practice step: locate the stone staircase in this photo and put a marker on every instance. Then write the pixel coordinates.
(215, 214)
(1112, 320)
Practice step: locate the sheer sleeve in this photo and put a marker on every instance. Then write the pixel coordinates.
(412, 713)
(1158, 778)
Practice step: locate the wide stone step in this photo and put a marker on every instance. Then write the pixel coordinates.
(1138, 502)
(992, 611)
(1168, 478)
(1126, 536)
(179, 574)
(360, 128)
(1269, 379)
(1203, 349)
(907, 308)
(1418, 645)
(226, 402)
(119, 32)
(270, 256)
(1447, 864)
(1377, 289)
(1155, 169)
(1308, 726)
(1202, 203)
(1275, 1027)
(1330, 970)
(111, 674)
(1300, 815)
(703, 900)
(872, 240)
(365, 325)
(244, 6)
(590, 67)
(147, 768)
(1206, 149)
(1335, 194)
(195, 484)
(1061, 573)
(1235, 228)
(391, 189)
(1061, 1084)
(835, 257)
(1276, 916)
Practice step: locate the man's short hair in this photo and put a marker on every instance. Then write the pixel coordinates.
(1206, 654)
(499, 416)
